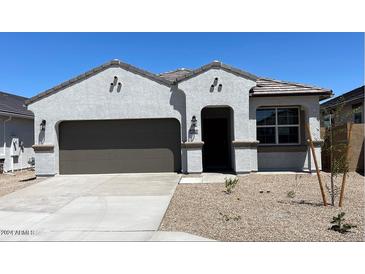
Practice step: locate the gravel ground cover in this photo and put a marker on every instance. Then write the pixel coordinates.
(259, 209)
(12, 182)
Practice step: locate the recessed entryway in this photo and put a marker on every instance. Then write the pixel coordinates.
(217, 138)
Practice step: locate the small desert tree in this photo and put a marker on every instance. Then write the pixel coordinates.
(335, 145)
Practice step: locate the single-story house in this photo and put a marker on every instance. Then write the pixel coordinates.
(350, 106)
(340, 112)
(119, 118)
(16, 133)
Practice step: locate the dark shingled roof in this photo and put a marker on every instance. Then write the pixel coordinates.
(270, 87)
(355, 96)
(14, 104)
(264, 87)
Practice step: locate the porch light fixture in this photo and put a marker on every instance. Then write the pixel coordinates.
(43, 125)
(211, 88)
(194, 121)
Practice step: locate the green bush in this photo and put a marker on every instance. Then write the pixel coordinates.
(228, 217)
(339, 225)
(230, 184)
(291, 194)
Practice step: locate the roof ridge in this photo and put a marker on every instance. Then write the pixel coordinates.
(171, 71)
(217, 64)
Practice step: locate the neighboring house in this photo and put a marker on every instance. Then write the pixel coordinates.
(119, 118)
(16, 133)
(341, 111)
(349, 104)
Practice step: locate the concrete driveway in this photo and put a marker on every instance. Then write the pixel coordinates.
(122, 207)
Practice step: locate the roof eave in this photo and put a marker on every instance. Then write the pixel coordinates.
(15, 114)
(322, 94)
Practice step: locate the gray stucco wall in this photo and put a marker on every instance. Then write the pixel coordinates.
(234, 94)
(139, 97)
(91, 99)
(23, 130)
(289, 160)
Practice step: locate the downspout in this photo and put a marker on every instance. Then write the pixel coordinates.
(4, 147)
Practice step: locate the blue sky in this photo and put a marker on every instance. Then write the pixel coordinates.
(33, 62)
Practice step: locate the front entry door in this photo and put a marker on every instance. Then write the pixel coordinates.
(217, 142)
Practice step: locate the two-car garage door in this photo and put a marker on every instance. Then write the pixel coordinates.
(116, 146)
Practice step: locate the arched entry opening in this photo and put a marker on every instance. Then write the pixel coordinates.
(217, 135)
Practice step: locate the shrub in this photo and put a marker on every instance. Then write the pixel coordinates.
(230, 184)
(228, 218)
(339, 225)
(291, 194)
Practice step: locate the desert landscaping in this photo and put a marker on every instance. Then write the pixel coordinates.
(14, 181)
(271, 207)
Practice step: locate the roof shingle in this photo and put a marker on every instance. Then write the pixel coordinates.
(271, 87)
(14, 104)
(176, 74)
(355, 95)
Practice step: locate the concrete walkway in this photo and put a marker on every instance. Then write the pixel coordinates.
(118, 207)
(205, 178)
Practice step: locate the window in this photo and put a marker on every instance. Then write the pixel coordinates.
(357, 114)
(278, 125)
(327, 120)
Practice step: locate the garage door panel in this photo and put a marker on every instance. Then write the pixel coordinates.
(120, 146)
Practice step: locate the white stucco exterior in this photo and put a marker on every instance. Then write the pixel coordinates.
(143, 98)
(13, 127)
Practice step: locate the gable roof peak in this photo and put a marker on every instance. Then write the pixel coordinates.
(214, 65)
(92, 72)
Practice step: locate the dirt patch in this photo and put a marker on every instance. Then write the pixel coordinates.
(20, 179)
(259, 209)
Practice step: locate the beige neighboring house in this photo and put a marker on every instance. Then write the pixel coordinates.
(16, 133)
(350, 107)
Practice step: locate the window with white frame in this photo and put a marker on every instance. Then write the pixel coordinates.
(278, 125)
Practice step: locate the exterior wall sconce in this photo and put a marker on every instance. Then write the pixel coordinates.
(194, 122)
(115, 80)
(193, 131)
(43, 125)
